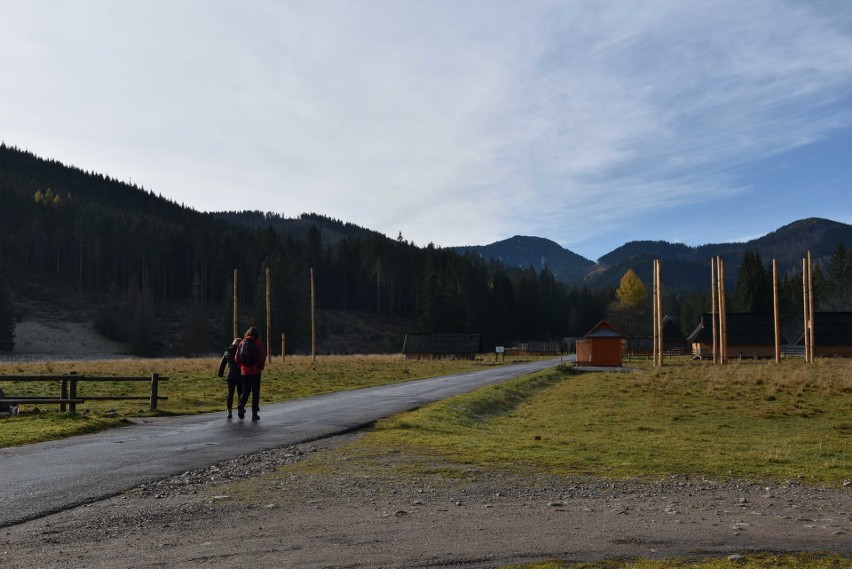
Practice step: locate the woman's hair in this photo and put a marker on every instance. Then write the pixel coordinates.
(253, 332)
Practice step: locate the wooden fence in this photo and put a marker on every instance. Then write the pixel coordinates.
(68, 390)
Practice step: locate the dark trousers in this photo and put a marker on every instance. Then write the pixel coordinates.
(251, 384)
(234, 385)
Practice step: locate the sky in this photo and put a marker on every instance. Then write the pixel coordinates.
(453, 122)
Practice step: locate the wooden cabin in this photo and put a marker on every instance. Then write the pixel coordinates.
(601, 346)
(674, 342)
(426, 346)
(832, 335)
(750, 335)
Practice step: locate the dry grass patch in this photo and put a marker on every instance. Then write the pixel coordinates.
(747, 419)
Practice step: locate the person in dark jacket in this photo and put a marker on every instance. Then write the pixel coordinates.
(251, 371)
(235, 376)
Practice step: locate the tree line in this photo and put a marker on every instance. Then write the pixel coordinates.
(110, 241)
(116, 244)
(753, 293)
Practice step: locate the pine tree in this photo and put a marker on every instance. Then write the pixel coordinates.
(753, 291)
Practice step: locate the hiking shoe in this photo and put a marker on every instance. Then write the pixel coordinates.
(229, 414)
(255, 417)
(241, 413)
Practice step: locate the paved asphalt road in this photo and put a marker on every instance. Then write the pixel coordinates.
(43, 478)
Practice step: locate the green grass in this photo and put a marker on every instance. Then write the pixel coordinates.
(193, 387)
(750, 561)
(747, 419)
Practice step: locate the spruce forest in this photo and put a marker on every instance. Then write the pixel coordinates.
(144, 263)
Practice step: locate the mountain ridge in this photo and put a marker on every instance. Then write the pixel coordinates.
(687, 266)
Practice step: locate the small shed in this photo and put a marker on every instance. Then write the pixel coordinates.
(601, 346)
(832, 334)
(427, 346)
(750, 335)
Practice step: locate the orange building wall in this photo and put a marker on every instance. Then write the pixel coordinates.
(599, 352)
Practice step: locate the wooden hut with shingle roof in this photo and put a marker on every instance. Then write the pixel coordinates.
(750, 335)
(832, 334)
(674, 342)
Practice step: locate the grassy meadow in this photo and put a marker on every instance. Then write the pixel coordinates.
(750, 419)
(193, 387)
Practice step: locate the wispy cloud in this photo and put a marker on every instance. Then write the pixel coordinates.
(453, 122)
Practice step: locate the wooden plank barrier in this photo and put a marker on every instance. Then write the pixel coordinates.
(68, 395)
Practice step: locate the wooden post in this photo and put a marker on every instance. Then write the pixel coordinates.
(658, 315)
(268, 320)
(659, 276)
(713, 312)
(654, 313)
(811, 305)
(775, 311)
(723, 318)
(236, 302)
(154, 391)
(63, 393)
(72, 392)
(313, 319)
(805, 307)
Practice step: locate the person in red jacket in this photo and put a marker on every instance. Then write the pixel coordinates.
(251, 357)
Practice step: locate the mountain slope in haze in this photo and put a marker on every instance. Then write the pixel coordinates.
(537, 252)
(688, 268)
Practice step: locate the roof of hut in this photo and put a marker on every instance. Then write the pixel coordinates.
(603, 329)
(671, 331)
(743, 328)
(831, 329)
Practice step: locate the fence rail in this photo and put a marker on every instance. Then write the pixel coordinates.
(69, 397)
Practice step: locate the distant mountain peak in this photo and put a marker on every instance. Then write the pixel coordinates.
(538, 252)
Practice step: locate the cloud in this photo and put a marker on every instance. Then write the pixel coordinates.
(454, 122)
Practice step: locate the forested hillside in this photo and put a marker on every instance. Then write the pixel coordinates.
(131, 251)
(159, 275)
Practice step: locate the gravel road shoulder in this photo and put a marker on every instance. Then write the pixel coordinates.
(323, 505)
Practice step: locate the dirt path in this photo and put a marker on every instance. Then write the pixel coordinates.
(323, 505)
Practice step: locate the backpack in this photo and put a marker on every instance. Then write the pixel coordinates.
(247, 352)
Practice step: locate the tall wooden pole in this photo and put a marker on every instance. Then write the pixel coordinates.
(658, 277)
(805, 305)
(283, 347)
(268, 319)
(236, 303)
(313, 319)
(654, 316)
(714, 293)
(723, 317)
(775, 311)
(811, 304)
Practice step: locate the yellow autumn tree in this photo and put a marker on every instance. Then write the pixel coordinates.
(628, 312)
(631, 290)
